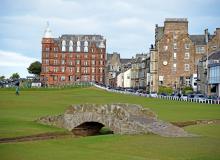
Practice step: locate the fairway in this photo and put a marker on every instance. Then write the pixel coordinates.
(18, 115)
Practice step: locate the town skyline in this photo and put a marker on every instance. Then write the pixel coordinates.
(129, 28)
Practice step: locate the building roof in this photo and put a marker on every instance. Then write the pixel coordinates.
(81, 37)
(198, 39)
(215, 55)
(125, 60)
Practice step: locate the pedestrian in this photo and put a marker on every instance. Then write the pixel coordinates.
(17, 88)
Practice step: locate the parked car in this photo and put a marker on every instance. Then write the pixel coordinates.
(153, 94)
(190, 96)
(163, 94)
(184, 97)
(200, 97)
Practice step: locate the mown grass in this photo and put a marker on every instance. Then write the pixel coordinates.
(17, 115)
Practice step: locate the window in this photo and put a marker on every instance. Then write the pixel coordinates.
(47, 55)
(70, 63)
(71, 69)
(214, 48)
(63, 62)
(55, 49)
(55, 78)
(93, 56)
(175, 46)
(93, 70)
(55, 69)
(186, 55)
(63, 55)
(174, 55)
(47, 49)
(101, 62)
(93, 78)
(93, 62)
(174, 67)
(77, 69)
(85, 63)
(100, 70)
(62, 78)
(165, 48)
(77, 61)
(85, 56)
(55, 55)
(77, 56)
(186, 68)
(85, 49)
(55, 62)
(47, 61)
(62, 69)
(92, 50)
(200, 49)
(100, 79)
(63, 46)
(70, 55)
(187, 46)
(85, 70)
(101, 56)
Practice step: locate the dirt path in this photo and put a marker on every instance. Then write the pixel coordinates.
(42, 136)
(196, 122)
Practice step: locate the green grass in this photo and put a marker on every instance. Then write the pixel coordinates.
(17, 115)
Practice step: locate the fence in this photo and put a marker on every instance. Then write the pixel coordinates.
(207, 101)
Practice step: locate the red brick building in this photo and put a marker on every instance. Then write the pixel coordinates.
(73, 58)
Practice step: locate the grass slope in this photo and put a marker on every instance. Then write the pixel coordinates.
(17, 115)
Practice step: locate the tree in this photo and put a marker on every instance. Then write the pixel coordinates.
(15, 76)
(35, 68)
(2, 77)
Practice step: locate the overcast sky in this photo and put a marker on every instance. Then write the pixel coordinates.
(128, 25)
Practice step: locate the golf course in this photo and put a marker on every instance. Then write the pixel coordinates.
(18, 115)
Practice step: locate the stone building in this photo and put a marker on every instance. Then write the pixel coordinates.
(114, 66)
(210, 84)
(175, 55)
(72, 58)
(140, 68)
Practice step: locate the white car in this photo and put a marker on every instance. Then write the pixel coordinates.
(153, 94)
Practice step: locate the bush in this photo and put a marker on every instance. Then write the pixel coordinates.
(187, 90)
(164, 89)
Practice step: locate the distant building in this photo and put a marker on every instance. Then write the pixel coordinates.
(127, 79)
(73, 58)
(210, 84)
(114, 66)
(140, 69)
(175, 55)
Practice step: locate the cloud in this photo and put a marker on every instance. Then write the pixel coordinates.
(13, 59)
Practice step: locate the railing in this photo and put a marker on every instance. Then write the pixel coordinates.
(195, 100)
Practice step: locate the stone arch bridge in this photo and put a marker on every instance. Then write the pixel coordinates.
(88, 119)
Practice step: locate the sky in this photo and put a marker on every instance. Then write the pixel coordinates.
(127, 25)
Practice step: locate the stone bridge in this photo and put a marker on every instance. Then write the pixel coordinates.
(88, 119)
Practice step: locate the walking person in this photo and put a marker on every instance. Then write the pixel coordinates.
(17, 90)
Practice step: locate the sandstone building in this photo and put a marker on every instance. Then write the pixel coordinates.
(73, 58)
(175, 55)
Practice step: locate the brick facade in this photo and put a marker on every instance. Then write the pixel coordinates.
(73, 58)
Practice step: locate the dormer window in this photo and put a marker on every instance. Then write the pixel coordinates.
(78, 46)
(71, 46)
(63, 46)
(86, 46)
